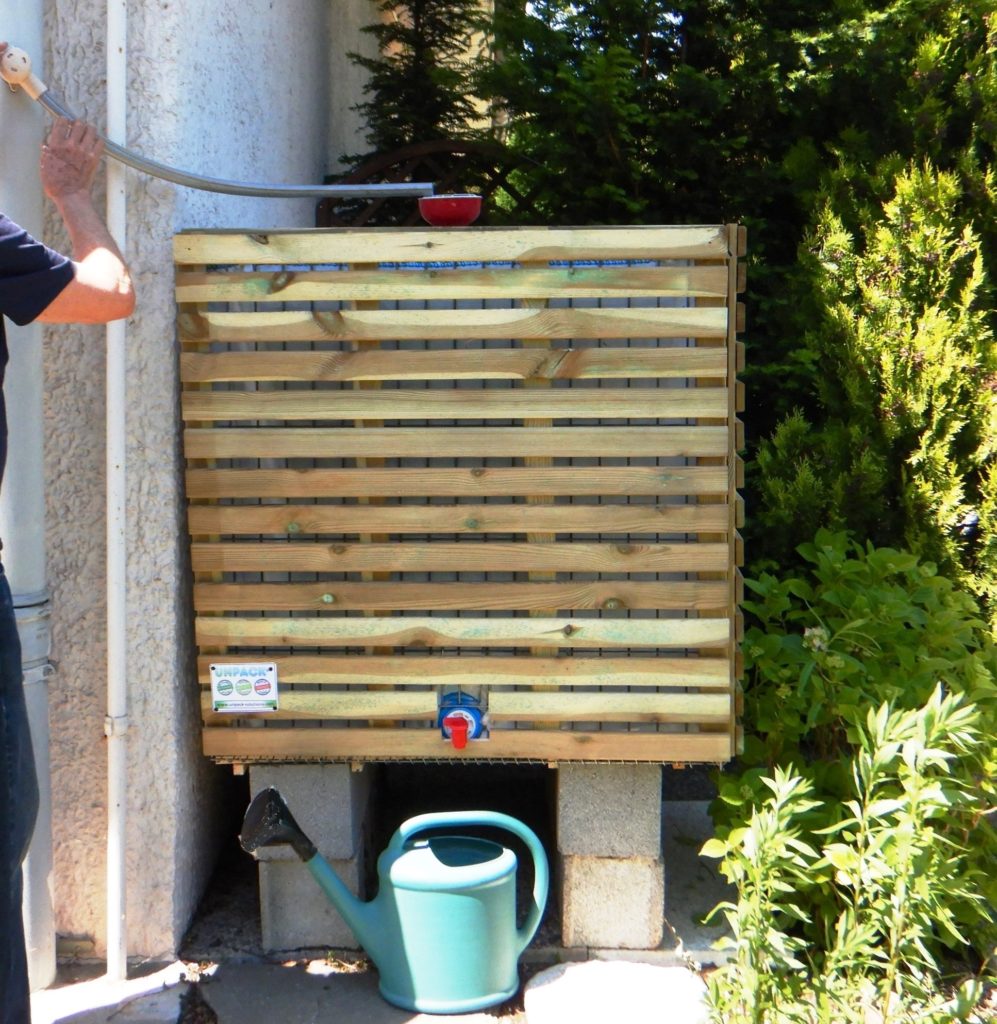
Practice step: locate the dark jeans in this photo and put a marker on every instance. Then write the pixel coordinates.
(18, 808)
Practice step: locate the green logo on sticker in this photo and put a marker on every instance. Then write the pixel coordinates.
(224, 687)
(244, 687)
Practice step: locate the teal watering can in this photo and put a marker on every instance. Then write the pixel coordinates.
(442, 928)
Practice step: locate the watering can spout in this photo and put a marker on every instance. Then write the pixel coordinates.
(269, 822)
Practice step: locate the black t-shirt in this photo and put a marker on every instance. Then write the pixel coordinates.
(31, 276)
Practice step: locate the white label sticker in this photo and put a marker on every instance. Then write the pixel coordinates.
(244, 688)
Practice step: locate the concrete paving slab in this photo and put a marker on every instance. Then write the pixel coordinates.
(309, 995)
(150, 997)
(307, 992)
(599, 991)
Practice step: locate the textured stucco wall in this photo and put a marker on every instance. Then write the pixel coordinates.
(346, 127)
(230, 88)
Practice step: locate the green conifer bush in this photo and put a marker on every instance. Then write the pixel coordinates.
(906, 446)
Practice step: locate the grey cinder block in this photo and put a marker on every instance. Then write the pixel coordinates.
(330, 802)
(612, 902)
(609, 810)
(295, 913)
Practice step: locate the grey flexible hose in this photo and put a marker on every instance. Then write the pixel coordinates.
(15, 70)
(238, 188)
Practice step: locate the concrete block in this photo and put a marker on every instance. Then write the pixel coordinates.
(328, 801)
(612, 902)
(295, 913)
(609, 810)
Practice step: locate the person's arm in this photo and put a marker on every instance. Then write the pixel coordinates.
(101, 289)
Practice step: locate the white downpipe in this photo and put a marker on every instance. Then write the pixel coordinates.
(116, 723)
(22, 507)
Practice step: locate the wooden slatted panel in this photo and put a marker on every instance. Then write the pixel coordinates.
(494, 460)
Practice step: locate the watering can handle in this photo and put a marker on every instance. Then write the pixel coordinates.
(541, 875)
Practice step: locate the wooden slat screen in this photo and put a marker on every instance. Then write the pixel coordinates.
(499, 461)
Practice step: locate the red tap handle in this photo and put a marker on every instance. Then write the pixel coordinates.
(457, 724)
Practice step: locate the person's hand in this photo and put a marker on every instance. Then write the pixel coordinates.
(70, 158)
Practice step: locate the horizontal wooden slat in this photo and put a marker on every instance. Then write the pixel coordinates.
(292, 520)
(431, 282)
(461, 403)
(334, 246)
(685, 708)
(308, 705)
(448, 324)
(498, 556)
(710, 673)
(676, 708)
(444, 442)
(242, 744)
(217, 597)
(382, 631)
(455, 364)
(469, 483)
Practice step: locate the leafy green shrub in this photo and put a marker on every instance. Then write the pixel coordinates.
(768, 861)
(869, 628)
(891, 862)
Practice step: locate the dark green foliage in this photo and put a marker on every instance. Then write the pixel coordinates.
(910, 83)
(640, 111)
(420, 83)
(583, 86)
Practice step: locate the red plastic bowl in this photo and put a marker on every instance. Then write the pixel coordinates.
(450, 211)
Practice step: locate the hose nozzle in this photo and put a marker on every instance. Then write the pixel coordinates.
(15, 69)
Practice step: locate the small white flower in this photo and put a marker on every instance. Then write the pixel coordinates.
(816, 638)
